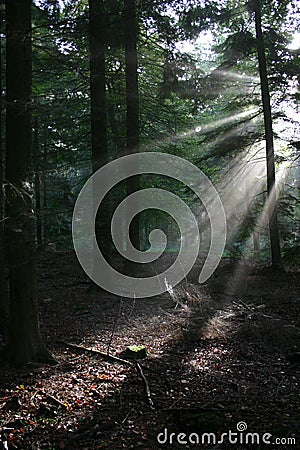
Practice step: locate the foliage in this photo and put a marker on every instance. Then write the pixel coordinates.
(203, 106)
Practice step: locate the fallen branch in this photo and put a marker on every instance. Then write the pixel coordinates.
(50, 397)
(255, 310)
(102, 355)
(150, 401)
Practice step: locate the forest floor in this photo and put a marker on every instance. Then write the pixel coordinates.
(221, 357)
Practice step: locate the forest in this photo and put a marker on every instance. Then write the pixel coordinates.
(149, 224)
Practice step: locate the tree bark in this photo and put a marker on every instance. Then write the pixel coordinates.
(97, 42)
(37, 186)
(97, 84)
(44, 199)
(24, 342)
(132, 101)
(271, 186)
(3, 281)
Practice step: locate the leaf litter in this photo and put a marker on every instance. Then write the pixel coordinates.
(215, 357)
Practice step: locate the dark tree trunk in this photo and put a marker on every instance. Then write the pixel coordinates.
(255, 236)
(44, 217)
(3, 280)
(97, 42)
(132, 101)
(37, 185)
(97, 84)
(24, 343)
(271, 187)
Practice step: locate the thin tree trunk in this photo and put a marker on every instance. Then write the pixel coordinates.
(271, 187)
(3, 281)
(255, 236)
(24, 343)
(132, 101)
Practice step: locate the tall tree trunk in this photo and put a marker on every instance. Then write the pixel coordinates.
(3, 281)
(37, 185)
(97, 42)
(97, 84)
(132, 101)
(44, 217)
(271, 187)
(24, 343)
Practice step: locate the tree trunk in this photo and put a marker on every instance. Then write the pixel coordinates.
(97, 42)
(44, 217)
(3, 281)
(271, 187)
(132, 101)
(24, 343)
(37, 186)
(255, 236)
(97, 84)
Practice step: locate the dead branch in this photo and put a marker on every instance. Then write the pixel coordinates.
(109, 358)
(150, 401)
(50, 397)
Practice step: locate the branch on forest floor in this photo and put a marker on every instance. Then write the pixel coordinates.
(54, 399)
(256, 310)
(147, 388)
(109, 358)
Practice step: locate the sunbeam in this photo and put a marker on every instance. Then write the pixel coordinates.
(238, 280)
(226, 121)
(234, 76)
(199, 129)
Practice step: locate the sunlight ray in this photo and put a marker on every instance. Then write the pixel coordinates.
(250, 113)
(238, 279)
(227, 120)
(234, 76)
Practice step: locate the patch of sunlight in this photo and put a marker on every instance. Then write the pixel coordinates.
(295, 44)
(202, 44)
(218, 326)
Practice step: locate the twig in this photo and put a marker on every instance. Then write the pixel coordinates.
(173, 404)
(150, 401)
(126, 417)
(254, 309)
(104, 356)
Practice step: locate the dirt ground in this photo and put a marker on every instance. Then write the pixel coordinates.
(223, 356)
